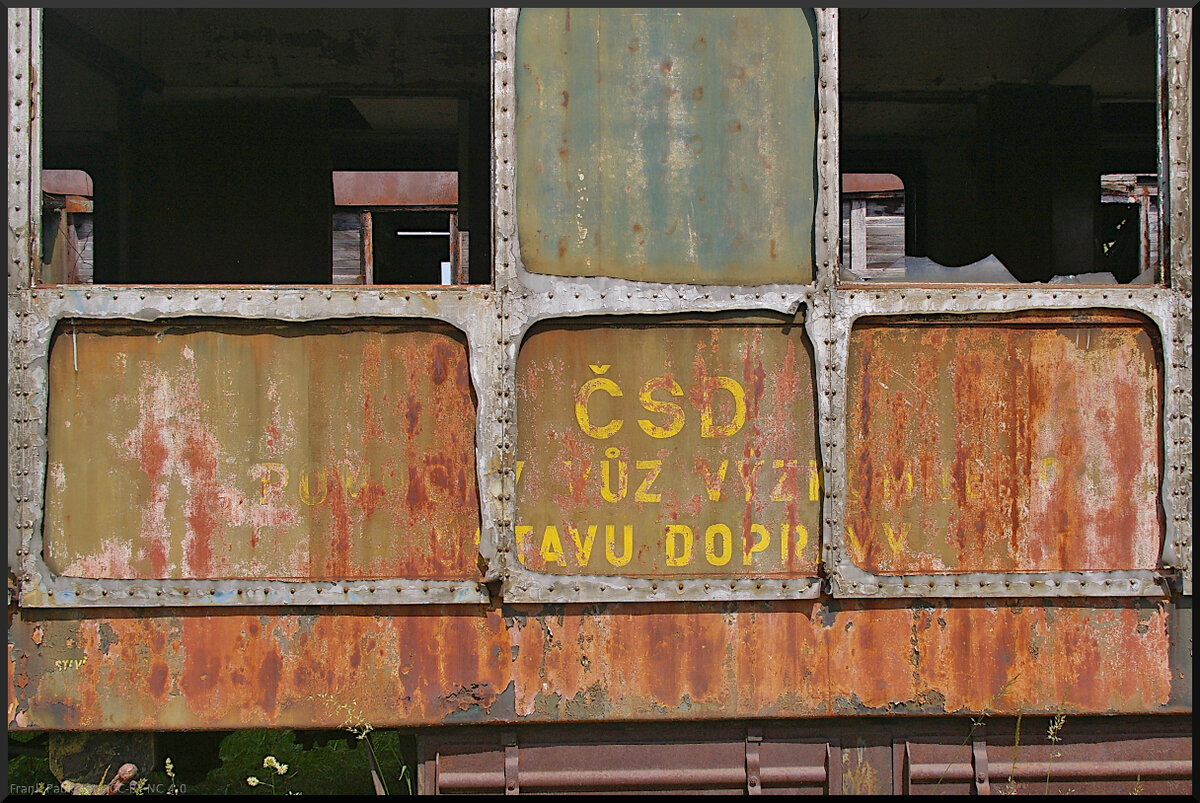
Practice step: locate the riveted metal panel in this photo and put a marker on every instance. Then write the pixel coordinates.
(469, 311)
(531, 297)
(1024, 444)
(248, 451)
(1156, 305)
(669, 449)
(667, 145)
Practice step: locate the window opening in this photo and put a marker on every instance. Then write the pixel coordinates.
(872, 223)
(398, 228)
(67, 226)
(1127, 228)
(212, 135)
(1001, 122)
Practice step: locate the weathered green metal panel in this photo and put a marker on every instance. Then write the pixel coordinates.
(667, 450)
(235, 450)
(667, 145)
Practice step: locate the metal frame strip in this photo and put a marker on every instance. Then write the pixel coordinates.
(1176, 156)
(24, 185)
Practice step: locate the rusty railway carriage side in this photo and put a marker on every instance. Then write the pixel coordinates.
(651, 492)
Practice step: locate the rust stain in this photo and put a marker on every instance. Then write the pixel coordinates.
(311, 474)
(1029, 444)
(670, 450)
(271, 668)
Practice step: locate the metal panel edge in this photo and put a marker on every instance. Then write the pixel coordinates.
(465, 309)
(1176, 158)
(24, 185)
(1176, 152)
(24, 27)
(827, 246)
(847, 579)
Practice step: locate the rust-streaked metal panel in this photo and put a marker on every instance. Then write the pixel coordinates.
(267, 667)
(205, 449)
(666, 449)
(1027, 444)
(667, 145)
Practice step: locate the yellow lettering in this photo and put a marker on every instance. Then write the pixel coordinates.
(266, 470)
(710, 551)
(679, 557)
(308, 494)
(1047, 470)
(552, 551)
(673, 411)
(896, 541)
(747, 469)
(583, 549)
(520, 468)
(789, 471)
(353, 483)
(606, 479)
(801, 538)
(758, 546)
(577, 480)
(713, 487)
(814, 481)
(642, 494)
(973, 481)
(944, 481)
(783, 542)
(581, 405)
(902, 487)
(708, 429)
(520, 531)
(610, 544)
(854, 544)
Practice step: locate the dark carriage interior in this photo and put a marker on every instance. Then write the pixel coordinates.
(1001, 124)
(211, 136)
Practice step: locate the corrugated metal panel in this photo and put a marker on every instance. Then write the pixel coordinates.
(1044, 755)
(305, 451)
(902, 755)
(684, 449)
(1023, 445)
(727, 758)
(667, 145)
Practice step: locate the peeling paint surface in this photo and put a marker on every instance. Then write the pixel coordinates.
(439, 664)
(1025, 446)
(667, 145)
(673, 449)
(315, 452)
